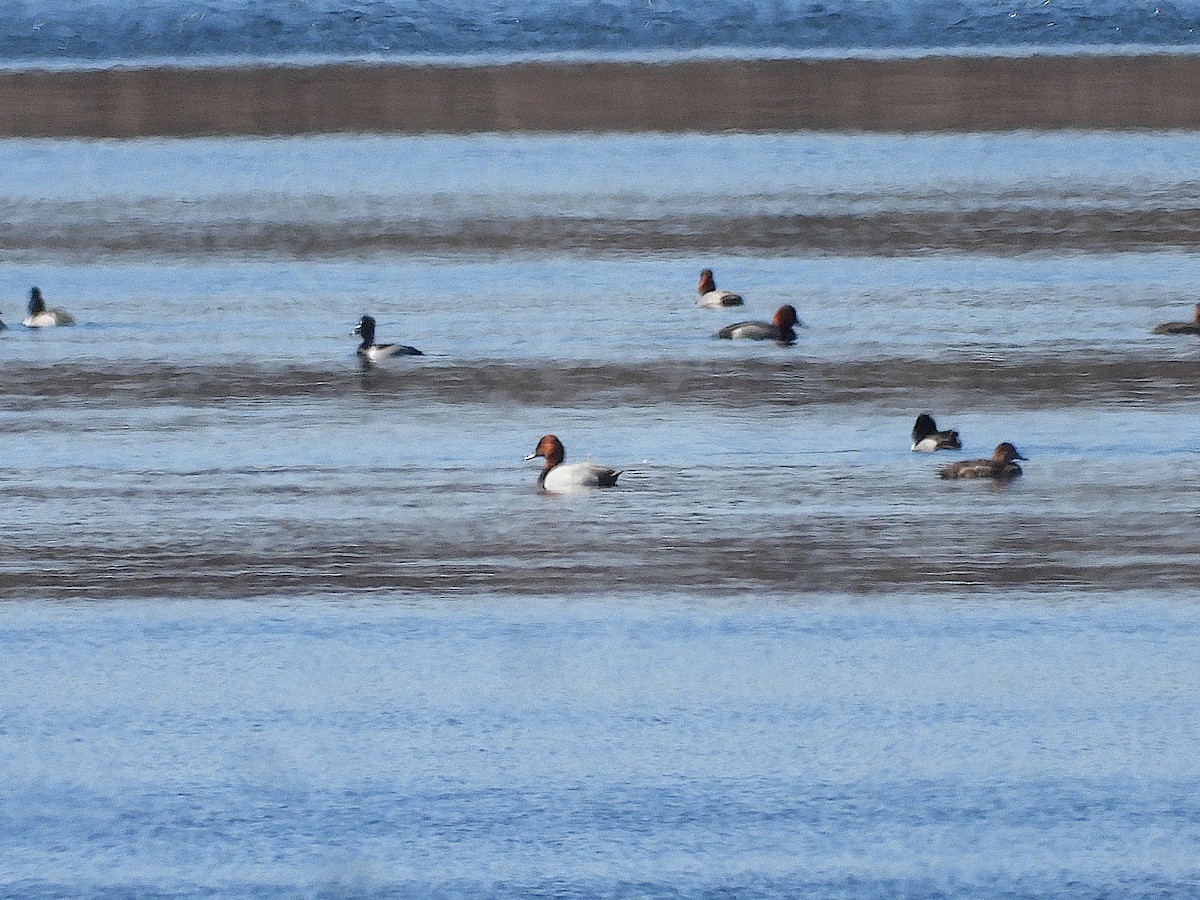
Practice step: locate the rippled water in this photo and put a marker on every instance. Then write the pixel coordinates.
(276, 625)
(40, 31)
(774, 194)
(618, 747)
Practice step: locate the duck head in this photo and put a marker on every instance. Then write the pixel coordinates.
(785, 319)
(366, 329)
(707, 283)
(1006, 453)
(549, 448)
(924, 427)
(37, 305)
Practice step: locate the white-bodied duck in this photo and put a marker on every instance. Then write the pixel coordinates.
(559, 476)
(927, 438)
(40, 317)
(710, 297)
(373, 352)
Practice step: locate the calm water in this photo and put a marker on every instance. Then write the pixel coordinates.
(274, 625)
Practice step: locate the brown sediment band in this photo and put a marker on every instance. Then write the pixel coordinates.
(936, 93)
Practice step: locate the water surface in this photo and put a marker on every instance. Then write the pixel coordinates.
(275, 625)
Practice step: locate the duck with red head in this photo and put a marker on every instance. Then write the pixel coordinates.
(710, 297)
(781, 328)
(1192, 327)
(1001, 467)
(559, 476)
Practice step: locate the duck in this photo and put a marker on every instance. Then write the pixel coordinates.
(710, 297)
(780, 328)
(40, 317)
(371, 351)
(1192, 327)
(1000, 467)
(559, 476)
(927, 438)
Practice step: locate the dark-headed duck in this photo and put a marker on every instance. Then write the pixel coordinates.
(369, 350)
(780, 328)
(1000, 467)
(710, 297)
(559, 476)
(1192, 327)
(40, 317)
(927, 438)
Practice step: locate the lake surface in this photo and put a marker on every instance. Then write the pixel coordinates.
(40, 32)
(275, 625)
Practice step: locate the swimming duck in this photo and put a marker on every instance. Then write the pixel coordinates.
(710, 297)
(780, 328)
(40, 317)
(369, 350)
(1192, 327)
(559, 476)
(1000, 466)
(927, 438)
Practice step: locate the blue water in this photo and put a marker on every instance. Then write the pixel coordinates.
(42, 31)
(621, 747)
(275, 626)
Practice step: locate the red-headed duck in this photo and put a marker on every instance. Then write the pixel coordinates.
(927, 438)
(710, 297)
(40, 317)
(780, 328)
(1000, 467)
(371, 351)
(1192, 327)
(559, 476)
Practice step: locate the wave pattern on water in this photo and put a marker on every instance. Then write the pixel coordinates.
(238, 520)
(91, 230)
(495, 539)
(1066, 379)
(616, 194)
(106, 30)
(210, 433)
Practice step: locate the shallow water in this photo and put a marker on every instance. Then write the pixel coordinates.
(276, 625)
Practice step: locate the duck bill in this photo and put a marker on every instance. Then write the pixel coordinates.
(530, 456)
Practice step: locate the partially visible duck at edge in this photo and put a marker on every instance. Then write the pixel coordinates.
(371, 351)
(1000, 467)
(559, 476)
(710, 297)
(40, 317)
(1192, 327)
(927, 438)
(781, 327)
